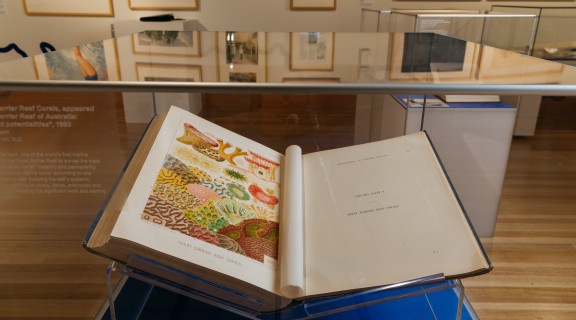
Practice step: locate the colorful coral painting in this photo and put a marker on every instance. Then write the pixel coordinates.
(94, 61)
(84, 62)
(218, 193)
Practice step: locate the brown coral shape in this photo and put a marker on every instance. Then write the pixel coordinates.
(251, 235)
(257, 248)
(203, 234)
(163, 213)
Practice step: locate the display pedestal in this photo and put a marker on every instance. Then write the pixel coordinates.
(472, 139)
(139, 295)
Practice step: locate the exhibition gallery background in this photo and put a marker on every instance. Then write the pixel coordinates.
(27, 31)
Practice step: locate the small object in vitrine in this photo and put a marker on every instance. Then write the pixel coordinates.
(161, 17)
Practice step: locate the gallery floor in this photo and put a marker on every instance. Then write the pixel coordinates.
(534, 246)
(46, 274)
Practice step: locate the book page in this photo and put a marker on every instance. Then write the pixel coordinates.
(208, 196)
(292, 221)
(382, 213)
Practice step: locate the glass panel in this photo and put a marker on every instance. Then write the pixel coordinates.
(375, 20)
(554, 40)
(156, 61)
(62, 151)
(61, 154)
(400, 22)
(511, 33)
(516, 9)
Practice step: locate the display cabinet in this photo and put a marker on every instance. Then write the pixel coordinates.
(553, 39)
(510, 31)
(399, 115)
(66, 138)
(374, 20)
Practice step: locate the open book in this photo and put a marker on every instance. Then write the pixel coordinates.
(201, 199)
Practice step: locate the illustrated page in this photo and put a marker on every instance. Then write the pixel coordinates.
(208, 196)
(382, 213)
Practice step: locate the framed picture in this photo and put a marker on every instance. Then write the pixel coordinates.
(168, 72)
(167, 43)
(311, 80)
(313, 4)
(243, 77)
(94, 62)
(102, 8)
(163, 4)
(242, 57)
(426, 56)
(312, 51)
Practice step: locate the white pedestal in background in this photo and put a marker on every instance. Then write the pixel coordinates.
(473, 144)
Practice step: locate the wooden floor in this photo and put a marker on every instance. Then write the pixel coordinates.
(45, 274)
(534, 247)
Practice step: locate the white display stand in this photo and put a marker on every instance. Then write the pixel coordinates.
(527, 108)
(139, 106)
(472, 142)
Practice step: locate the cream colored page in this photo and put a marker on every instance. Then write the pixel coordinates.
(226, 214)
(382, 213)
(292, 231)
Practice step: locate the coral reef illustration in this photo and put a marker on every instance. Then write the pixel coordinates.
(218, 193)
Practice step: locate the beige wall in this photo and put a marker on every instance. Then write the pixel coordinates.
(221, 15)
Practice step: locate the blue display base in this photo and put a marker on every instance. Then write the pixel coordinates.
(140, 300)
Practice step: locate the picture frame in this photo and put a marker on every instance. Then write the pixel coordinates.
(312, 51)
(97, 61)
(167, 43)
(312, 4)
(242, 56)
(87, 8)
(164, 72)
(407, 64)
(243, 77)
(163, 4)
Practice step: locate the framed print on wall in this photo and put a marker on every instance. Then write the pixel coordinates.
(242, 56)
(92, 8)
(312, 4)
(94, 62)
(164, 72)
(243, 77)
(163, 4)
(312, 51)
(167, 43)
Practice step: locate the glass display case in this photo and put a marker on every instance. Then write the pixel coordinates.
(71, 119)
(553, 40)
(510, 31)
(374, 20)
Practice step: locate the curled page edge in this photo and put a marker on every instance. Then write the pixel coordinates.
(292, 226)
